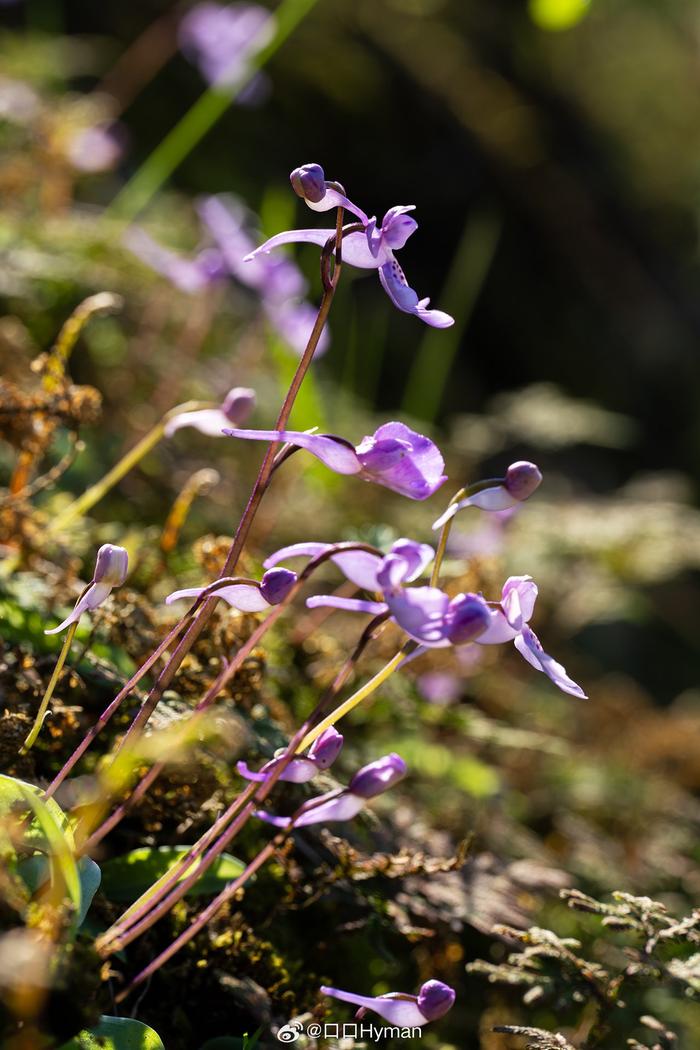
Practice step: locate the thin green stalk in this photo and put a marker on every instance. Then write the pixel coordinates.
(200, 119)
(99, 490)
(44, 705)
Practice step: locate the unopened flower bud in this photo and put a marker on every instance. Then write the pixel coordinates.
(378, 776)
(324, 751)
(238, 404)
(276, 585)
(309, 182)
(111, 565)
(435, 999)
(522, 478)
(468, 617)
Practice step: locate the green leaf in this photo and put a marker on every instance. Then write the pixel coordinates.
(47, 833)
(117, 1033)
(126, 878)
(90, 878)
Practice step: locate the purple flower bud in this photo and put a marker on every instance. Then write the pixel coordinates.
(522, 478)
(378, 776)
(276, 585)
(238, 404)
(309, 182)
(326, 748)
(435, 999)
(111, 566)
(468, 616)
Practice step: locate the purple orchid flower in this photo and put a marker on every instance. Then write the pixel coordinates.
(497, 494)
(321, 755)
(235, 408)
(188, 275)
(394, 456)
(346, 803)
(247, 597)
(510, 622)
(111, 567)
(222, 39)
(405, 1011)
(95, 149)
(370, 248)
(427, 614)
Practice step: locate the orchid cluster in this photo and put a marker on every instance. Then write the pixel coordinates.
(428, 615)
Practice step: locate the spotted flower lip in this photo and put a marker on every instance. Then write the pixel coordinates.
(111, 567)
(235, 408)
(321, 755)
(246, 597)
(394, 456)
(520, 481)
(406, 1011)
(510, 622)
(345, 803)
(371, 248)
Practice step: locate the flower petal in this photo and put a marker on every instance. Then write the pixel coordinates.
(529, 646)
(335, 452)
(499, 631)
(334, 199)
(518, 600)
(209, 421)
(94, 596)
(242, 596)
(404, 298)
(415, 468)
(421, 612)
(299, 771)
(399, 1010)
(334, 601)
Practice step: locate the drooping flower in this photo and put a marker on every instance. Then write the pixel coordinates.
(496, 494)
(111, 567)
(188, 275)
(235, 408)
(321, 755)
(371, 248)
(346, 803)
(405, 1011)
(247, 597)
(427, 614)
(394, 456)
(510, 622)
(221, 39)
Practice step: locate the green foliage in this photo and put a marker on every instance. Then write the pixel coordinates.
(117, 1033)
(125, 878)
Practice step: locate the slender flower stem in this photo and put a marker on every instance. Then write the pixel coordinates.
(100, 489)
(43, 706)
(347, 705)
(442, 544)
(224, 676)
(209, 912)
(111, 709)
(145, 906)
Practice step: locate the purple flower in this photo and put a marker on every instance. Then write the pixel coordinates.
(222, 39)
(247, 597)
(346, 803)
(497, 494)
(235, 408)
(372, 247)
(111, 567)
(427, 614)
(394, 456)
(189, 275)
(322, 754)
(406, 1011)
(510, 621)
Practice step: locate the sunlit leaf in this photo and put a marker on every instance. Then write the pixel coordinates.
(558, 14)
(117, 1033)
(126, 878)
